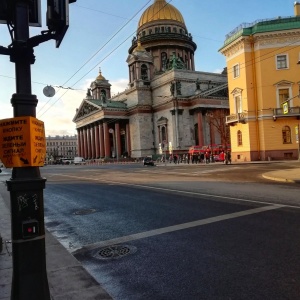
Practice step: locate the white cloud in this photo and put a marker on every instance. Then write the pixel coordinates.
(59, 112)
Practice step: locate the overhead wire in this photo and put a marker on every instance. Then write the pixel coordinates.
(122, 27)
(105, 56)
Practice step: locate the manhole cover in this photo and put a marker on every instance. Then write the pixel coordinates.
(115, 251)
(84, 211)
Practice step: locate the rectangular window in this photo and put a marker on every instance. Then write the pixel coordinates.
(281, 61)
(236, 71)
(238, 104)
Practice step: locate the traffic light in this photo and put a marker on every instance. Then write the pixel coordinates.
(58, 18)
(34, 7)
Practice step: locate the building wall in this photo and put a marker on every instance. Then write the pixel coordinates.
(259, 81)
(61, 146)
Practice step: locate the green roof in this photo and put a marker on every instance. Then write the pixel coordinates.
(262, 26)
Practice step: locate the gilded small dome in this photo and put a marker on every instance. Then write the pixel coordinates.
(160, 10)
(100, 76)
(139, 48)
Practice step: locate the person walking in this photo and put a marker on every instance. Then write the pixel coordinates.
(222, 156)
(228, 158)
(207, 155)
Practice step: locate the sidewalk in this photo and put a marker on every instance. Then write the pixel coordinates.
(68, 280)
(291, 175)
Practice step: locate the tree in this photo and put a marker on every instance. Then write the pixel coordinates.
(217, 118)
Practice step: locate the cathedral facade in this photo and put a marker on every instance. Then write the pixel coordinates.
(168, 105)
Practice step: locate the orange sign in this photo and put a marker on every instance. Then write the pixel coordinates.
(22, 142)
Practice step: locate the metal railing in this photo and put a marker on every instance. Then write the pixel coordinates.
(236, 118)
(292, 111)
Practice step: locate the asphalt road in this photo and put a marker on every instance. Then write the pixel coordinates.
(180, 232)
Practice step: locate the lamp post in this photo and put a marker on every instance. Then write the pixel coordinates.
(29, 280)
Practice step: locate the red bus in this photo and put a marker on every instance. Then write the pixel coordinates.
(216, 149)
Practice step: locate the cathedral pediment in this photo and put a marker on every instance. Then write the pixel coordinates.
(86, 108)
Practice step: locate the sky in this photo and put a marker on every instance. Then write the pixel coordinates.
(100, 35)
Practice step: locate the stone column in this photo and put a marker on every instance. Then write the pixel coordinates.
(85, 142)
(92, 141)
(128, 143)
(193, 63)
(101, 140)
(189, 61)
(106, 140)
(118, 140)
(88, 135)
(96, 138)
(79, 141)
(200, 129)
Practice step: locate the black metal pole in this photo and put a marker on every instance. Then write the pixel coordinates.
(26, 185)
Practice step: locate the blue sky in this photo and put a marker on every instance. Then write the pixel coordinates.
(100, 34)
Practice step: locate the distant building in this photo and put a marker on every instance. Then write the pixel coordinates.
(263, 80)
(167, 105)
(61, 147)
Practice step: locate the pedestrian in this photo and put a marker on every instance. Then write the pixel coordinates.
(228, 158)
(175, 159)
(207, 157)
(222, 156)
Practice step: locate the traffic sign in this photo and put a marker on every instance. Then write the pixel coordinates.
(22, 142)
(285, 107)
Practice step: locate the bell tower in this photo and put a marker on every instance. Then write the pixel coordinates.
(100, 88)
(140, 64)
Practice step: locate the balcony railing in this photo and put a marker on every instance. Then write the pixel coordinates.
(292, 112)
(236, 118)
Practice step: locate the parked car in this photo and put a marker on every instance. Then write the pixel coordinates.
(148, 161)
(79, 161)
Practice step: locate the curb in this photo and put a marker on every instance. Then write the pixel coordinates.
(281, 179)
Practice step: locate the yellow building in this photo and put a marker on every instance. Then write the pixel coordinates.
(264, 82)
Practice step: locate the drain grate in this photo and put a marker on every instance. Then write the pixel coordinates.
(84, 212)
(115, 251)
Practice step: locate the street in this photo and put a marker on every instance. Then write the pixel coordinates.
(179, 232)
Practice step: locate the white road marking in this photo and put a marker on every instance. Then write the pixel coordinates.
(155, 232)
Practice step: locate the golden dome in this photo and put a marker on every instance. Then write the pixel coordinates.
(139, 47)
(160, 10)
(100, 77)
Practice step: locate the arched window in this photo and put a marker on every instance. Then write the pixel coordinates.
(144, 72)
(239, 138)
(286, 135)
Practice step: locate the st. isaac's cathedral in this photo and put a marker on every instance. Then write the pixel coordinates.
(167, 104)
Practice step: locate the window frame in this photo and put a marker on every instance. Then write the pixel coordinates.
(239, 138)
(236, 70)
(278, 63)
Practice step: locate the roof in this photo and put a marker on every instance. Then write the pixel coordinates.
(160, 10)
(263, 26)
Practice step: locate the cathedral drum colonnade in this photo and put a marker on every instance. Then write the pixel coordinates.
(166, 102)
